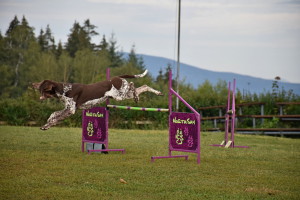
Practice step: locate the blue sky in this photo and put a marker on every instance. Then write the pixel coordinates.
(259, 38)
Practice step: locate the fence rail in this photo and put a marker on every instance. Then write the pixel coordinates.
(262, 116)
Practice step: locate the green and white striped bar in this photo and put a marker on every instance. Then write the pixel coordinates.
(139, 108)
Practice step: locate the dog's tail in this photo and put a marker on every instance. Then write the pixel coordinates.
(135, 76)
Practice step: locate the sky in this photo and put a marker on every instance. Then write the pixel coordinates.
(259, 38)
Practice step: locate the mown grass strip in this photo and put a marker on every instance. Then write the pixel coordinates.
(50, 165)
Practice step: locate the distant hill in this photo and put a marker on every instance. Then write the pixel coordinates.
(196, 76)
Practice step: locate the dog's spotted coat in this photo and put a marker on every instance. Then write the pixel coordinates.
(86, 96)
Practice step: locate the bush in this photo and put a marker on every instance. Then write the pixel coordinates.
(29, 108)
(13, 112)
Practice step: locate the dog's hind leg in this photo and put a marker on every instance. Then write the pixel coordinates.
(146, 88)
(92, 103)
(132, 93)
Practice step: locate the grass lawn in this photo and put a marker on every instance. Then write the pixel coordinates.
(49, 164)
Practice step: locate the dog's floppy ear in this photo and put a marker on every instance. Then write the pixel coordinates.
(45, 85)
(48, 85)
(37, 85)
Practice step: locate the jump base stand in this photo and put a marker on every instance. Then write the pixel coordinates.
(184, 129)
(229, 121)
(95, 129)
(106, 150)
(184, 135)
(161, 157)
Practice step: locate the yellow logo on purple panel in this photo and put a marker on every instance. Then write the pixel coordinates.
(90, 129)
(179, 137)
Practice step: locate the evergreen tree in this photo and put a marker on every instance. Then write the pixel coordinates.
(41, 40)
(159, 78)
(89, 29)
(80, 37)
(6, 72)
(19, 37)
(166, 75)
(114, 56)
(49, 39)
(3, 53)
(27, 34)
(13, 24)
(134, 60)
(73, 44)
(103, 44)
(141, 64)
(59, 50)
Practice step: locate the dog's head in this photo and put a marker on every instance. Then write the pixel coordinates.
(47, 89)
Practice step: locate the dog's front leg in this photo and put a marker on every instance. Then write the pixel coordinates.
(52, 120)
(70, 108)
(56, 117)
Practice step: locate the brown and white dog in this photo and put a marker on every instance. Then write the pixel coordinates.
(75, 95)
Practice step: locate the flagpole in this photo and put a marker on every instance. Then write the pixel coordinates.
(178, 55)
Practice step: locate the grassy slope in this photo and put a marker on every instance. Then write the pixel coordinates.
(50, 165)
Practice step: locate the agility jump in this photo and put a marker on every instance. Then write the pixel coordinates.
(230, 120)
(184, 128)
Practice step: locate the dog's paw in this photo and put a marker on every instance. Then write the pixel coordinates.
(44, 128)
(136, 99)
(160, 94)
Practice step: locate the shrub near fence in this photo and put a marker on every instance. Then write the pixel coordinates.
(23, 110)
(13, 113)
(28, 110)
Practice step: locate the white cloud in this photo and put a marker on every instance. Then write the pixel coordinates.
(164, 3)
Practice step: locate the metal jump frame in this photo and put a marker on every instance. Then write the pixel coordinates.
(171, 92)
(230, 120)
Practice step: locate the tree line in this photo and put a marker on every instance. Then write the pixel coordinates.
(27, 58)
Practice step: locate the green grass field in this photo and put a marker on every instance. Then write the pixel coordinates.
(50, 165)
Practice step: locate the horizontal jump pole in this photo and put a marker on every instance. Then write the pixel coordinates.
(139, 108)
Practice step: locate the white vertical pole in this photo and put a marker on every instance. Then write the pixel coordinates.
(178, 55)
